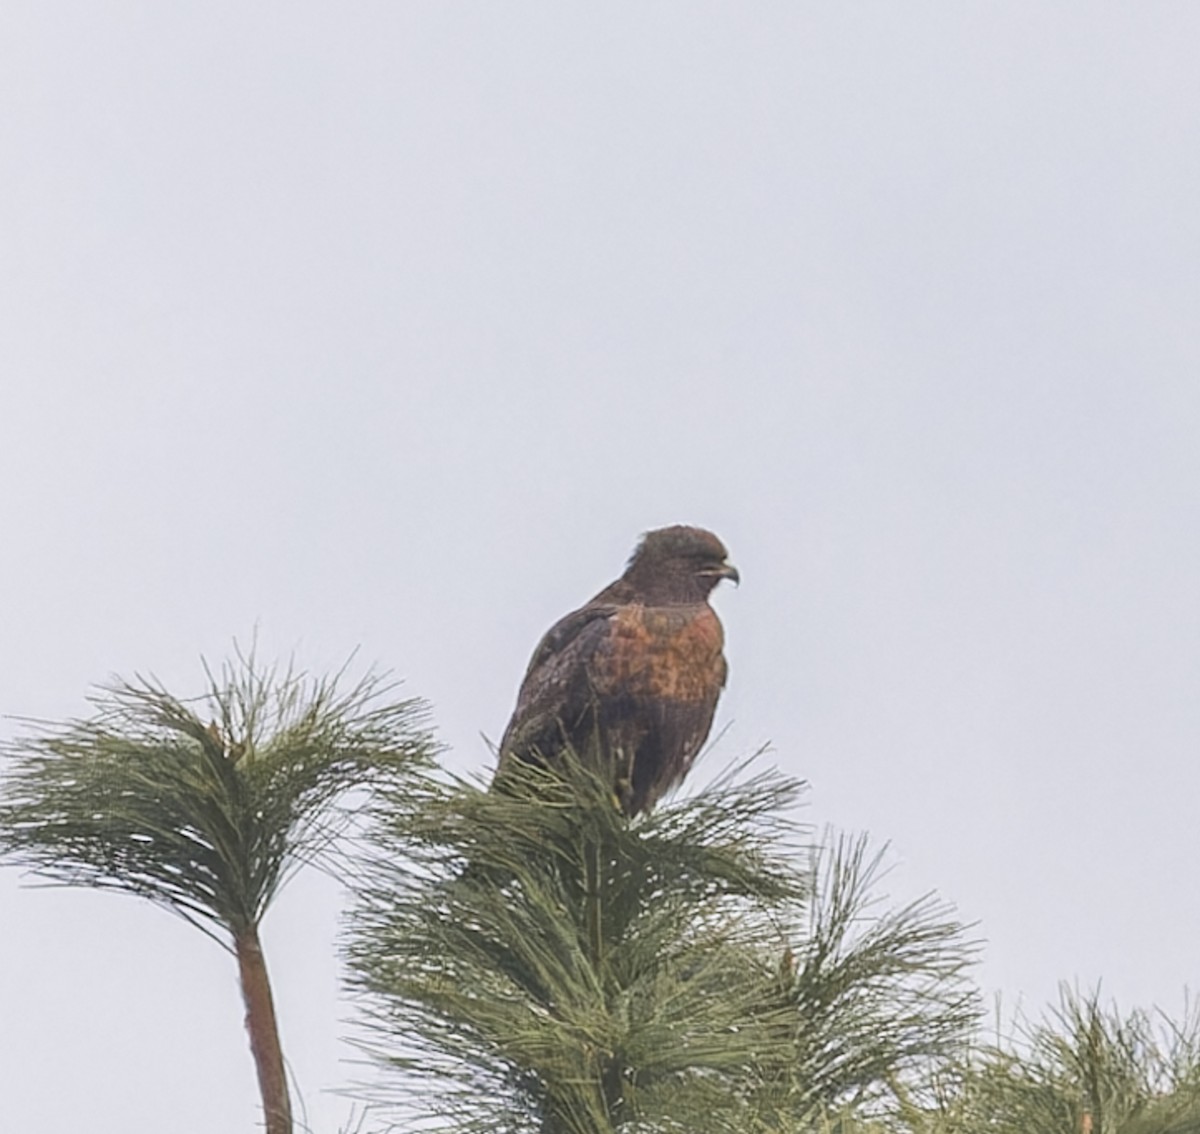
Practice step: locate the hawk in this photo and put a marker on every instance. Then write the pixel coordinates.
(632, 677)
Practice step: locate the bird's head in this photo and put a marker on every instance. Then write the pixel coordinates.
(679, 564)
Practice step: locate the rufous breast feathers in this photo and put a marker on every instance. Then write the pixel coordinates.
(668, 652)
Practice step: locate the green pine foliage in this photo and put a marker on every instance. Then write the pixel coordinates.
(530, 960)
(881, 998)
(1083, 1069)
(203, 806)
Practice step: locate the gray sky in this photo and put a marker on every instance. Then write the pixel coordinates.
(393, 325)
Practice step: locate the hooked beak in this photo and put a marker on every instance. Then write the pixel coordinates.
(730, 572)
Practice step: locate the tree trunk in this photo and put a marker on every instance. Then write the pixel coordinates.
(264, 1032)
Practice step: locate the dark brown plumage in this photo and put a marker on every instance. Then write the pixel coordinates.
(632, 677)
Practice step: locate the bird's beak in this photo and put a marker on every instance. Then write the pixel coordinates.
(730, 572)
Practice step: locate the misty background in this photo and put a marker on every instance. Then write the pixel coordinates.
(390, 327)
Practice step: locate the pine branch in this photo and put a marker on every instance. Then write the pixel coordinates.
(205, 806)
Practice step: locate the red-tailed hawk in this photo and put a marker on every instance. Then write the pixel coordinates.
(632, 677)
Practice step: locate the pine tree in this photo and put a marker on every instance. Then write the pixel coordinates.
(206, 806)
(532, 961)
(1082, 1069)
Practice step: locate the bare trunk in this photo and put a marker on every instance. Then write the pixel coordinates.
(264, 1032)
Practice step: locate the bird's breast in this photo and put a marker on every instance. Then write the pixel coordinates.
(670, 652)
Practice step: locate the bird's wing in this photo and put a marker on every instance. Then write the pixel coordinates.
(556, 684)
(565, 635)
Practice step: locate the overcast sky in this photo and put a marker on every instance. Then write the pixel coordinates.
(390, 326)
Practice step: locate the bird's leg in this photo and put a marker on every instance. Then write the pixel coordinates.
(623, 779)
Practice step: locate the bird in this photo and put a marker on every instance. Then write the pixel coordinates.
(630, 681)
